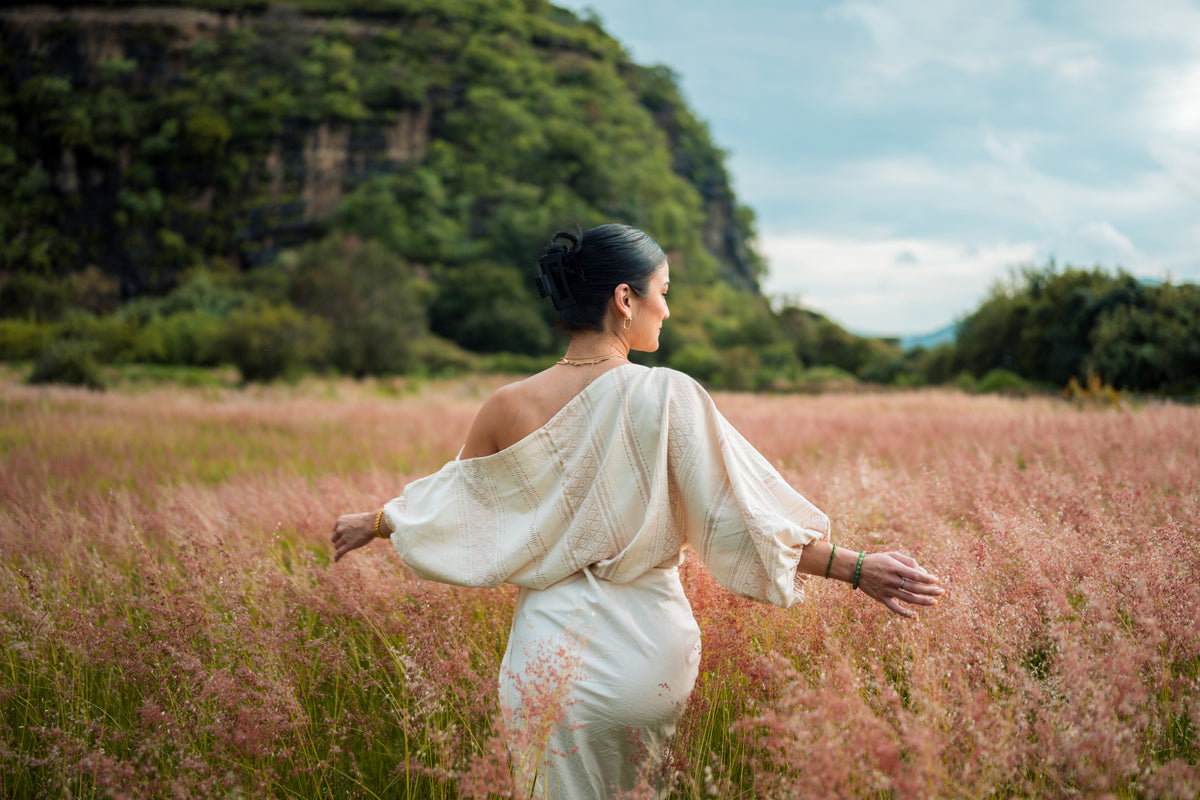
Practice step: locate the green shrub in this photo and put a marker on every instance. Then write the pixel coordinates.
(26, 295)
(22, 339)
(882, 362)
(205, 290)
(909, 380)
(93, 290)
(966, 382)
(433, 355)
(1000, 381)
(373, 303)
(69, 362)
(827, 377)
(489, 308)
(697, 360)
(115, 337)
(207, 132)
(514, 363)
(273, 341)
(737, 369)
(188, 338)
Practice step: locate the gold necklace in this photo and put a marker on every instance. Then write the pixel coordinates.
(587, 361)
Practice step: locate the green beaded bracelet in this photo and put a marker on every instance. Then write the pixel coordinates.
(829, 566)
(858, 568)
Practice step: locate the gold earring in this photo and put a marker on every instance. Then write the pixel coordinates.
(628, 322)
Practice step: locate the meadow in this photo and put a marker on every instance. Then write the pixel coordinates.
(173, 626)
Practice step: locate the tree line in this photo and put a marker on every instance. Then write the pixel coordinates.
(1050, 325)
(352, 306)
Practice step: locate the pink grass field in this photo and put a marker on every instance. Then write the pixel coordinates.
(173, 626)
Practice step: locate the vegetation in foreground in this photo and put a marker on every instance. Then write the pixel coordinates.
(174, 627)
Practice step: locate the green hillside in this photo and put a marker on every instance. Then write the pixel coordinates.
(146, 140)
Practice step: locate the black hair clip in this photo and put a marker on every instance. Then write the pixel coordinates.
(552, 282)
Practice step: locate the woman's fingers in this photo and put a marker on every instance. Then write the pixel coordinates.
(896, 608)
(919, 587)
(918, 597)
(899, 582)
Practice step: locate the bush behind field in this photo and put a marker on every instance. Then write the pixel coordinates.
(350, 306)
(69, 362)
(1049, 325)
(362, 310)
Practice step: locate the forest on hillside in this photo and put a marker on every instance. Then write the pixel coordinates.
(362, 187)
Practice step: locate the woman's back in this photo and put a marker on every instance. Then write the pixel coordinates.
(518, 409)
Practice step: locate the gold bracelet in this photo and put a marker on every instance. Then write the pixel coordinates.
(378, 532)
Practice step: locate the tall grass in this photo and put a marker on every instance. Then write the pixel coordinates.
(172, 624)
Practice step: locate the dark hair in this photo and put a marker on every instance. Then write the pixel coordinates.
(580, 272)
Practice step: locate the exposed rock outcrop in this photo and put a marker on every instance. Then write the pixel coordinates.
(293, 178)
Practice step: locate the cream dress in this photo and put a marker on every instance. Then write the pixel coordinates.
(588, 515)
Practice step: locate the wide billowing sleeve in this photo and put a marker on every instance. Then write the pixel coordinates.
(480, 523)
(747, 524)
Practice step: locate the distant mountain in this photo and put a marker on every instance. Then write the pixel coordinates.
(929, 341)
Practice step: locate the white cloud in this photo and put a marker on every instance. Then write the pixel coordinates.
(1182, 165)
(1171, 107)
(888, 286)
(969, 36)
(994, 190)
(1012, 148)
(1098, 242)
(1158, 23)
(966, 36)
(1173, 100)
(1071, 62)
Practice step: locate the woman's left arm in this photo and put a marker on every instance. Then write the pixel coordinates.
(890, 578)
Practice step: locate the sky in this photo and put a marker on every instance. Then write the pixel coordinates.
(902, 156)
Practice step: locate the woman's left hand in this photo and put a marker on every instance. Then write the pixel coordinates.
(894, 578)
(352, 531)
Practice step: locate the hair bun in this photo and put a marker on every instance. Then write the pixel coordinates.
(558, 268)
(571, 237)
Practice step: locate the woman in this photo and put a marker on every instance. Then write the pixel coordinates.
(581, 485)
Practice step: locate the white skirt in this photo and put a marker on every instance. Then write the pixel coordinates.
(595, 677)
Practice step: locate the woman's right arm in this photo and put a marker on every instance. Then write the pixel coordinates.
(352, 531)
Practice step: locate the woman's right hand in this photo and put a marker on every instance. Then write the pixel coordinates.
(352, 531)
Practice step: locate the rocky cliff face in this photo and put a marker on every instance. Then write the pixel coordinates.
(140, 208)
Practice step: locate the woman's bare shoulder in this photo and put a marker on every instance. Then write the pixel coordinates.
(510, 413)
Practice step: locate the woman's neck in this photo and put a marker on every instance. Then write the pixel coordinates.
(590, 344)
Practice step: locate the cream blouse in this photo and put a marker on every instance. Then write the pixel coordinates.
(635, 466)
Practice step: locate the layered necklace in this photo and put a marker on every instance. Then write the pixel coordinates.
(586, 361)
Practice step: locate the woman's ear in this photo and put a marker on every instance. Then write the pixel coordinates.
(622, 296)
